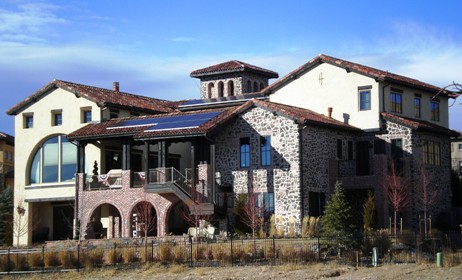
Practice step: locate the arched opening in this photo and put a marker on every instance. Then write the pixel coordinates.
(249, 86)
(230, 88)
(143, 220)
(210, 87)
(177, 219)
(262, 86)
(255, 87)
(221, 87)
(105, 222)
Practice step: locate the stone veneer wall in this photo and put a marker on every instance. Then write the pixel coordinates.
(282, 178)
(124, 200)
(240, 83)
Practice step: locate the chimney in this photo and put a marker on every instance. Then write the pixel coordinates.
(329, 112)
(115, 86)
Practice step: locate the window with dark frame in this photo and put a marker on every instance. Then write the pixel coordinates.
(431, 152)
(244, 144)
(417, 107)
(396, 102)
(396, 149)
(113, 114)
(339, 148)
(435, 110)
(57, 118)
(265, 201)
(28, 121)
(87, 116)
(265, 150)
(317, 202)
(364, 100)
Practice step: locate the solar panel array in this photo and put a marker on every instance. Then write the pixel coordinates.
(168, 122)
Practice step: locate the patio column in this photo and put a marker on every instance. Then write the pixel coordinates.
(126, 152)
(162, 154)
(146, 158)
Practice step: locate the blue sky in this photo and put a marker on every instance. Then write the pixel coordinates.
(150, 47)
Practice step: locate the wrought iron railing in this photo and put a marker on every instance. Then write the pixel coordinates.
(164, 175)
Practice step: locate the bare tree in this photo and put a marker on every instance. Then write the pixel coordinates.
(428, 197)
(455, 91)
(397, 190)
(145, 219)
(23, 224)
(250, 212)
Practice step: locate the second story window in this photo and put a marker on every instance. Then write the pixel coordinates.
(57, 118)
(265, 152)
(28, 121)
(396, 102)
(86, 116)
(364, 100)
(113, 114)
(435, 110)
(417, 107)
(245, 152)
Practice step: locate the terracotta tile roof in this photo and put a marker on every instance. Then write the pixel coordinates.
(103, 97)
(378, 75)
(302, 116)
(233, 66)
(419, 125)
(7, 138)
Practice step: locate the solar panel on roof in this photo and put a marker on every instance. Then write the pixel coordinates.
(182, 121)
(168, 122)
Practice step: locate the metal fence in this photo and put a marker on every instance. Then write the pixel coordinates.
(366, 250)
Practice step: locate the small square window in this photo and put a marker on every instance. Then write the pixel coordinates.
(113, 114)
(28, 121)
(57, 119)
(87, 116)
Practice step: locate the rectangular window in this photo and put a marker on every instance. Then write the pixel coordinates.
(431, 153)
(265, 201)
(365, 100)
(245, 151)
(417, 107)
(57, 119)
(265, 150)
(350, 150)
(460, 147)
(317, 201)
(396, 103)
(86, 116)
(339, 148)
(10, 156)
(113, 114)
(28, 121)
(396, 149)
(435, 110)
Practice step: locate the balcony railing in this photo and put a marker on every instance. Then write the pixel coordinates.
(165, 175)
(104, 181)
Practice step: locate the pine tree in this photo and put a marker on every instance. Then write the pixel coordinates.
(337, 220)
(6, 214)
(369, 212)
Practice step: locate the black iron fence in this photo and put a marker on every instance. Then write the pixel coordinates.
(373, 249)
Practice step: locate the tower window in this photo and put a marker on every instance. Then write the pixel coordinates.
(220, 89)
(230, 88)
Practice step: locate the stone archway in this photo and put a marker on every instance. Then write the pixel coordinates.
(143, 220)
(177, 224)
(105, 222)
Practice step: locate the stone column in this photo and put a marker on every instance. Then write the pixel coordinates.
(110, 228)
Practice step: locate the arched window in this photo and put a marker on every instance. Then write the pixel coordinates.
(230, 88)
(221, 87)
(255, 87)
(54, 161)
(210, 90)
(262, 86)
(249, 86)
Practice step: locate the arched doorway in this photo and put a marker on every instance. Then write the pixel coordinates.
(105, 222)
(177, 222)
(143, 220)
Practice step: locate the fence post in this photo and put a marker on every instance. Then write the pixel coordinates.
(78, 257)
(190, 251)
(115, 256)
(152, 251)
(8, 262)
(43, 258)
(274, 251)
(231, 250)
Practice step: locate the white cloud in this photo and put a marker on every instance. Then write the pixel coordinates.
(183, 39)
(29, 23)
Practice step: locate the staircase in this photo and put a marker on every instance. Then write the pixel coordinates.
(169, 180)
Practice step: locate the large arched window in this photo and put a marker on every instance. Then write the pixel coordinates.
(209, 90)
(249, 86)
(54, 161)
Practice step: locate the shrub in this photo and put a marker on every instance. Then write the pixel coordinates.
(20, 262)
(272, 230)
(92, 258)
(52, 259)
(164, 252)
(128, 255)
(113, 256)
(179, 254)
(35, 260)
(4, 263)
(68, 259)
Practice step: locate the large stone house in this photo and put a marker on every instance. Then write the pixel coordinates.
(6, 161)
(289, 142)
